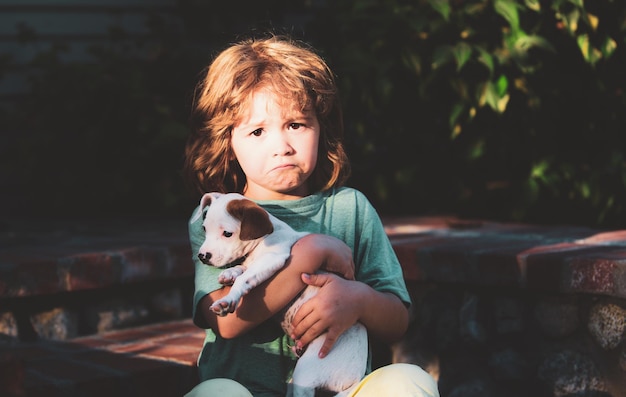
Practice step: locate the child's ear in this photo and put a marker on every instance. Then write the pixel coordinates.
(255, 221)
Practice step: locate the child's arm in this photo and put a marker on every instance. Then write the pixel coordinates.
(308, 254)
(339, 304)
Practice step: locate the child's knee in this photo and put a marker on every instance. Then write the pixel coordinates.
(398, 380)
(219, 387)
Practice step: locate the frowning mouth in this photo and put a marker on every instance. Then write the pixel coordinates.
(283, 167)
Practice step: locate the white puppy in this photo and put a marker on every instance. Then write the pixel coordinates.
(239, 230)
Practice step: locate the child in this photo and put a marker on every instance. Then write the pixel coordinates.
(270, 127)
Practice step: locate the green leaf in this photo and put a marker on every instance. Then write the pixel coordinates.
(571, 20)
(486, 59)
(533, 189)
(502, 85)
(442, 7)
(502, 102)
(441, 56)
(462, 52)
(609, 47)
(477, 150)
(508, 10)
(539, 170)
(526, 42)
(491, 96)
(585, 47)
(413, 62)
(592, 21)
(577, 3)
(533, 5)
(457, 109)
(585, 189)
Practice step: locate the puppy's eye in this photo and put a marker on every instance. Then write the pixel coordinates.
(227, 234)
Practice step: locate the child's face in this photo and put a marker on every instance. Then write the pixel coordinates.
(276, 147)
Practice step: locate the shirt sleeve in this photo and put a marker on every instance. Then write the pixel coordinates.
(379, 265)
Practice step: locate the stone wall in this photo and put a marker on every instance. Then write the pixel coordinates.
(515, 310)
(502, 342)
(61, 281)
(499, 309)
(80, 314)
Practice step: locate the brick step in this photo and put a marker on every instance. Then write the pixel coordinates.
(154, 360)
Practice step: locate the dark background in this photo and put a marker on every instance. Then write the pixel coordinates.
(502, 110)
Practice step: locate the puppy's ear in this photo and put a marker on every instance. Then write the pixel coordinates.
(205, 201)
(255, 221)
(208, 198)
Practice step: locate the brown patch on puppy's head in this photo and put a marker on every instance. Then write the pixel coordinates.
(255, 221)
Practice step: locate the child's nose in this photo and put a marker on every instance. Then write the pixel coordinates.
(282, 145)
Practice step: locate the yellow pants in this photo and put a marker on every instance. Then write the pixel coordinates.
(395, 380)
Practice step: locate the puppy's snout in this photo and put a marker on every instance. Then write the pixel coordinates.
(204, 258)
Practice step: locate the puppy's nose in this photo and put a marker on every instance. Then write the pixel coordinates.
(204, 258)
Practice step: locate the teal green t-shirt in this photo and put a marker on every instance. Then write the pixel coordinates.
(261, 360)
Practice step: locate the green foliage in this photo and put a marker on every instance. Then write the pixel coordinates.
(500, 109)
(496, 108)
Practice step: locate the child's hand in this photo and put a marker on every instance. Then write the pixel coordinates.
(335, 308)
(337, 255)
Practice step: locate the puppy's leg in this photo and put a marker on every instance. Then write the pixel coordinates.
(340, 370)
(258, 270)
(294, 390)
(306, 378)
(228, 276)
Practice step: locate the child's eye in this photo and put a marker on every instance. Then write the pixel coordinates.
(295, 126)
(227, 234)
(257, 132)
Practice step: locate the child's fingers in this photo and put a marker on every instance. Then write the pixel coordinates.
(312, 332)
(329, 342)
(339, 258)
(321, 314)
(317, 280)
(301, 322)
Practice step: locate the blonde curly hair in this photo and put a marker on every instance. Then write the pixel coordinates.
(291, 70)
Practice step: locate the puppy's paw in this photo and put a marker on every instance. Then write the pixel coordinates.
(223, 307)
(298, 351)
(228, 276)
